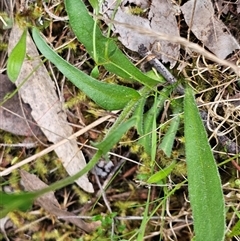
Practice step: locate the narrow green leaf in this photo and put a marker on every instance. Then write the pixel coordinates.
(167, 143)
(142, 228)
(103, 147)
(160, 175)
(204, 183)
(104, 49)
(235, 230)
(146, 139)
(112, 139)
(168, 140)
(16, 58)
(95, 5)
(138, 113)
(23, 201)
(108, 96)
(15, 201)
(139, 109)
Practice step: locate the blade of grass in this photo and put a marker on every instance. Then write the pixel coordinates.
(204, 183)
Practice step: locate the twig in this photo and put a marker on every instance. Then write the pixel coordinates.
(151, 58)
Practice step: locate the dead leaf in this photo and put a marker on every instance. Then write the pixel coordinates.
(238, 7)
(50, 204)
(39, 92)
(3, 222)
(161, 18)
(12, 118)
(207, 28)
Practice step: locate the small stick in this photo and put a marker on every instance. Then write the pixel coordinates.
(151, 58)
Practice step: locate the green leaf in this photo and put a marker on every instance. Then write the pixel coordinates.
(95, 5)
(160, 175)
(102, 49)
(235, 230)
(138, 113)
(108, 96)
(112, 139)
(95, 72)
(205, 192)
(149, 118)
(15, 201)
(16, 58)
(23, 201)
(139, 109)
(168, 139)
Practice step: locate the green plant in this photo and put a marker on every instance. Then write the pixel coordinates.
(204, 183)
